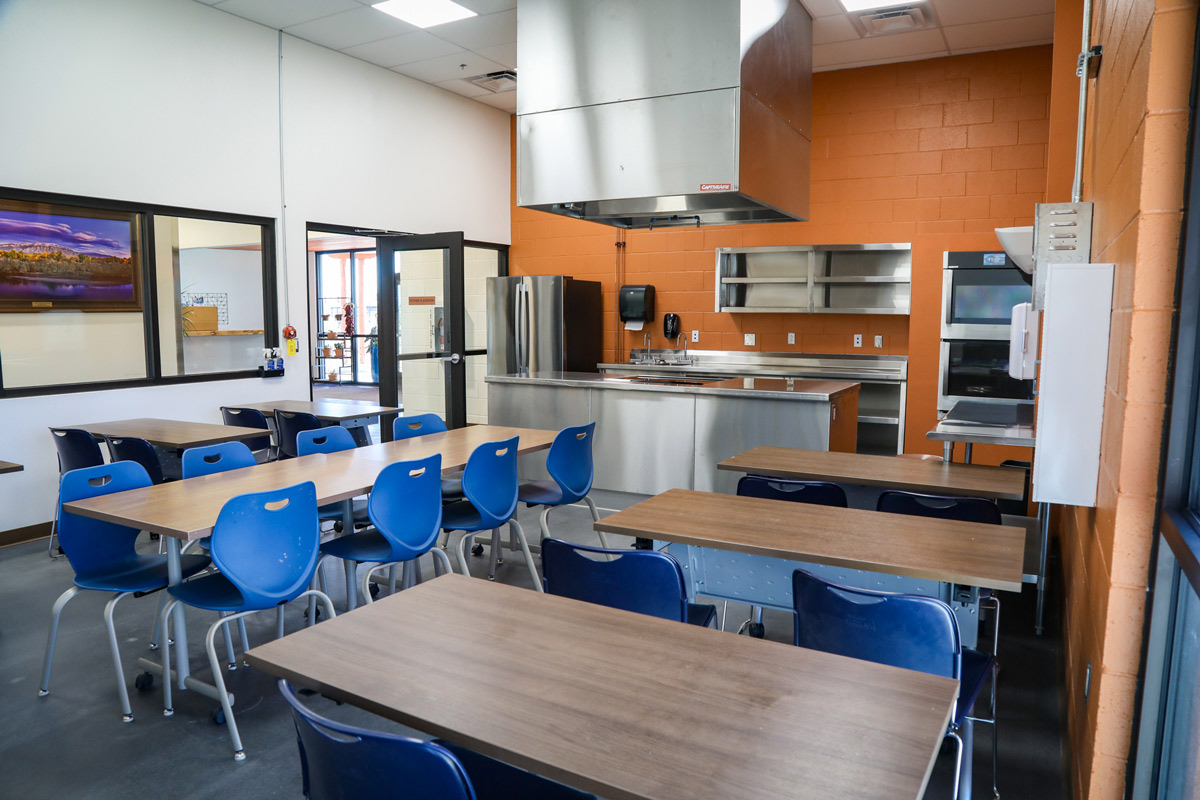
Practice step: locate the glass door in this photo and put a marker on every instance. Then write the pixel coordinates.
(421, 317)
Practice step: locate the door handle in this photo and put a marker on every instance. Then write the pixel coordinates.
(453, 358)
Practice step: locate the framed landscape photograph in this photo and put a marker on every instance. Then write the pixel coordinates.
(62, 257)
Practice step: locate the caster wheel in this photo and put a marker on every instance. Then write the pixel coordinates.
(217, 715)
(144, 682)
(337, 527)
(374, 590)
(476, 549)
(756, 630)
(318, 612)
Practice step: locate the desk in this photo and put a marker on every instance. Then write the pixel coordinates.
(185, 510)
(352, 414)
(560, 688)
(909, 474)
(170, 433)
(9, 466)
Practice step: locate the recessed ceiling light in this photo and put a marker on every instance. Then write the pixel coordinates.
(425, 13)
(860, 5)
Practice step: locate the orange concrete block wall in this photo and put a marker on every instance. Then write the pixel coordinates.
(937, 153)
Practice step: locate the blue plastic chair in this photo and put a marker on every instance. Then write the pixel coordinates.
(819, 493)
(490, 486)
(77, 449)
(419, 425)
(130, 448)
(103, 557)
(643, 581)
(265, 546)
(288, 425)
(345, 762)
(405, 507)
(252, 418)
(571, 472)
(332, 439)
(901, 630)
(214, 458)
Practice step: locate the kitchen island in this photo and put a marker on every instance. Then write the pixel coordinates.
(655, 433)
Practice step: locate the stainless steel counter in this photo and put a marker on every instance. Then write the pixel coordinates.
(984, 423)
(764, 388)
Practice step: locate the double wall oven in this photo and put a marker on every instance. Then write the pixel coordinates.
(979, 291)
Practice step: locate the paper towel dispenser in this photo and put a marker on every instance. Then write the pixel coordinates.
(636, 303)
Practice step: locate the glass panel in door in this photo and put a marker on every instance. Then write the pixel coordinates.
(479, 264)
(421, 337)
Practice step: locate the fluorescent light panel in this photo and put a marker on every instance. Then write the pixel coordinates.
(425, 13)
(865, 5)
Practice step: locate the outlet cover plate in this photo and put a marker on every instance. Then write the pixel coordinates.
(749, 339)
(791, 338)
(695, 336)
(858, 340)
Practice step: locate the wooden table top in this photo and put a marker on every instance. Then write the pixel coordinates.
(170, 432)
(910, 474)
(628, 706)
(9, 466)
(326, 409)
(188, 509)
(968, 553)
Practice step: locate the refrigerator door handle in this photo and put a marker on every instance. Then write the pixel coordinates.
(522, 329)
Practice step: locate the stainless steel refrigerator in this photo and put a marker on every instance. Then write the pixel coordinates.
(548, 323)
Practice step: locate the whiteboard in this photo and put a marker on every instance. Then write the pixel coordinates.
(1070, 410)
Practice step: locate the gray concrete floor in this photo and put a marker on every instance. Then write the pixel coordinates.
(73, 743)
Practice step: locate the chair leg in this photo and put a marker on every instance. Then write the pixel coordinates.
(544, 523)
(122, 689)
(278, 622)
(496, 560)
(165, 623)
(351, 587)
(222, 693)
(515, 527)
(463, 544)
(392, 575)
(55, 613)
(53, 536)
(242, 632)
(591, 504)
(231, 664)
(440, 559)
(162, 601)
(958, 762)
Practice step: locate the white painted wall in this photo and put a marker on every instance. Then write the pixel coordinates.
(177, 103)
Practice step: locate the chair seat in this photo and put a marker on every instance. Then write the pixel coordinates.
(363, 546)
(213, 592)
(142, 573)
(333, 511)
(495, 780)
(540, 493)
(701, 614)
(461, 516)
(452, 488)
(976, 669)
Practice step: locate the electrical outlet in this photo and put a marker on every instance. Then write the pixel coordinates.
(695, 336)
(749, 340)
(791, 338)
(878, 340)
(858, 340)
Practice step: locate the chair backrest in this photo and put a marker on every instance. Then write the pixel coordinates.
(129, 448)
(570, 461)
(95, 547)
(76, 449)
(417, 425)
(324, 440)
(490, 481)
(406, 506)
(820, 493)
(341, 762)
(288, 424)
(212, 458)
(643, 581)
(248, 418)
(266, 543)
(962, 509)
(902, 630)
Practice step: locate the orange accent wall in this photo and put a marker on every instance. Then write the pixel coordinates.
(1134, 172)
(936, 153)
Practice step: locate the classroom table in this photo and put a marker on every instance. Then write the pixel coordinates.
(352, 414)
(909, 474)
(182, 511)
(627, 706)
(9, 466)
(850, 546)
(170, 433)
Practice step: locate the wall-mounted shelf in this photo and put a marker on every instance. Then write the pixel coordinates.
(225, 333)
(814, 279)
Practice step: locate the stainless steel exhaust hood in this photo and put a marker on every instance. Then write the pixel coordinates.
(648, 113)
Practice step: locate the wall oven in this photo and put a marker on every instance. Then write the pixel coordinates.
(979, 291)
(977, 370)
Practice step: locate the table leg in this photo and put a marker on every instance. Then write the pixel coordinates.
(947, 451)
(178, 621)
(1044, 521)
(967, 448)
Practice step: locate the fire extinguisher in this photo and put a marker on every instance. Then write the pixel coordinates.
(289, 336)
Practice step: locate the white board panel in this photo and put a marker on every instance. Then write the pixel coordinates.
(1070, 415)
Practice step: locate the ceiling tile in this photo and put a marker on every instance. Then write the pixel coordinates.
(285, 13)
(505, 54)
(833, 29)
(351, 28)
(823, 8)
(482, 7)
(874, 50)
(474, 33)
(465, 88)
(956, 12)
(463, 64)
(505, 101)
(391, 52)
(1001, 33)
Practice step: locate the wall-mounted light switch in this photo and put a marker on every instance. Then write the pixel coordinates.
(878, 340)
(695, 336)
(749, 339)
(858, 340)
(791, 338)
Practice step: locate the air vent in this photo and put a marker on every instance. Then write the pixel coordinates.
(504, 81)
(896, 19)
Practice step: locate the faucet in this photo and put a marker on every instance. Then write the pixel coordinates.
(685, 355)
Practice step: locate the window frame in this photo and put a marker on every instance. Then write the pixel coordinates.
(149, 290)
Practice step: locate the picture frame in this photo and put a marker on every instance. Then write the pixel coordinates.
(59, 257)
